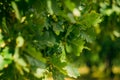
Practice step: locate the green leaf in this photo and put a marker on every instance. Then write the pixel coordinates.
(76, 31)
(34, 53)
(72, 71)
(57, 28)
(5, 53)
(15, 7)
(20, 62)
(5, 58)
(50, 39)
(71, 18)
(57, 75)
(4, 25)
(75, 47)
(56, 7)
(49, 4)
(55, 61)
(63, 54)
(69, 30)
(47, 39)
(38, 68)
(90, 19)
(69, 4)
(88, 35)
(1, 62)
(35, 63)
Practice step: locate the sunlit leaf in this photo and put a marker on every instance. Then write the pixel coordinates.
(72, 71)
(40, 72)
(76, 12)
(19, 41)
(63, 54)
(15, 7)
(70, 5)
(5, 58)
(49, 4)
(90, 19)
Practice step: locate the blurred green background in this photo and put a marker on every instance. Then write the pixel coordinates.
(103, 61)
